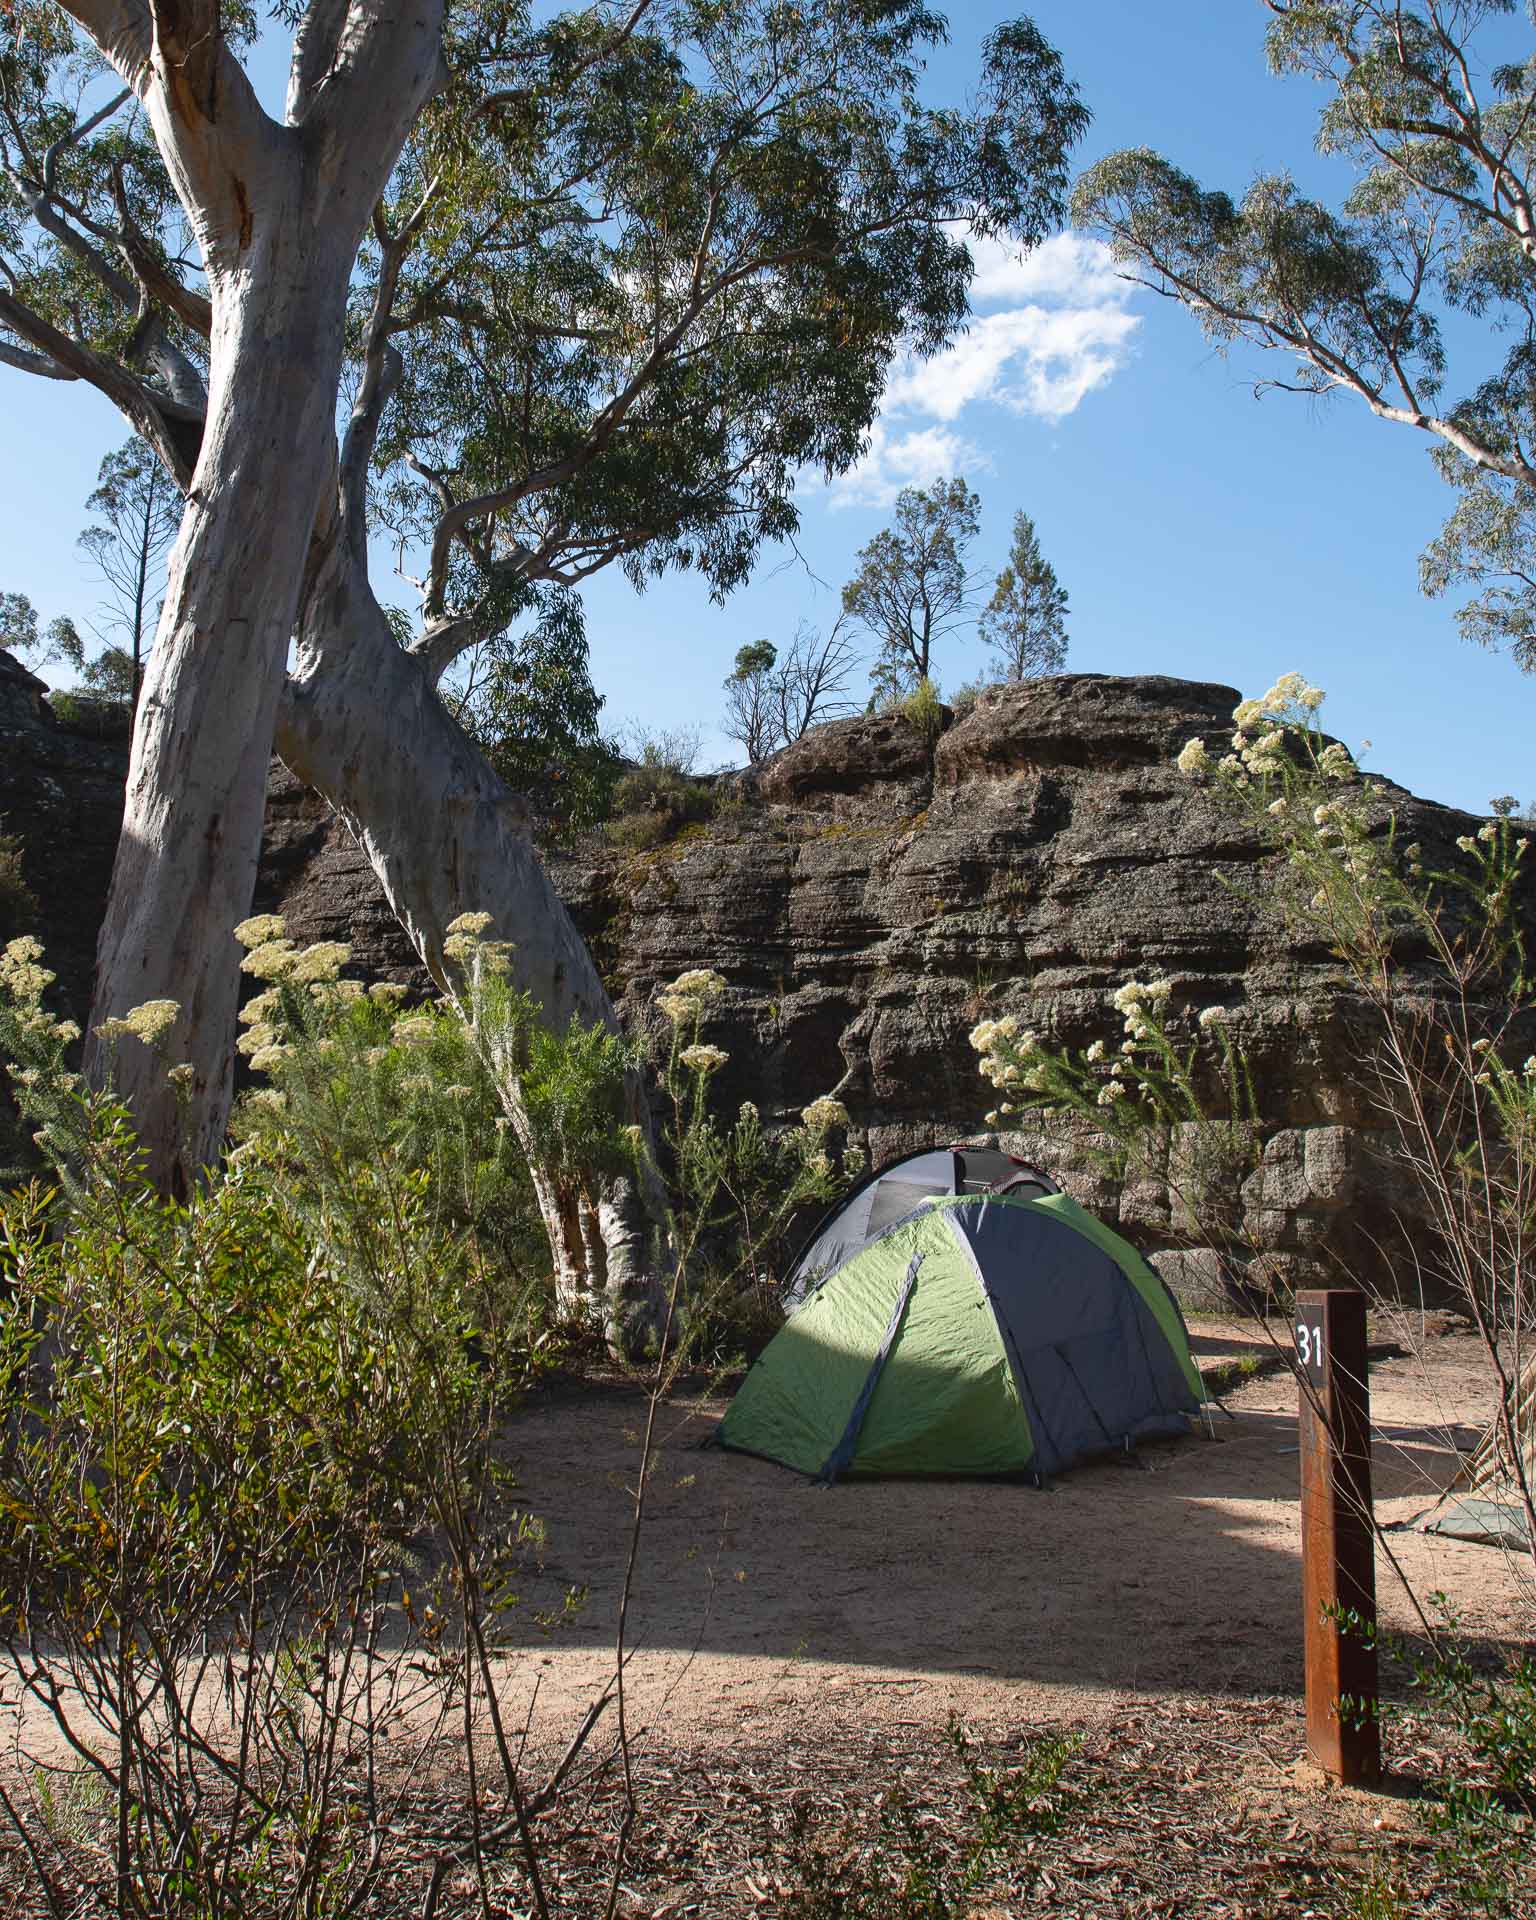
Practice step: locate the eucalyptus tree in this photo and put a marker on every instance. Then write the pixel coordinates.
(915, 586)
(1439, 130)
(586, 289)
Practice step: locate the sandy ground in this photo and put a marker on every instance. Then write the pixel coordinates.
(767, 1611)
(766, 1607)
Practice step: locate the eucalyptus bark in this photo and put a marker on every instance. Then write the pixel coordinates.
(278, 211)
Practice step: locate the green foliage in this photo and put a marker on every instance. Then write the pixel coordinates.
(529, 701)
(913, 588)
(1024, 622)
(222, 1441)
(737, 1189)
(923, 711)
(38, 646)
(1439, 139)
(656, 799)
(361, 1097)
(915, 1868)
(1481, 1813)
(102, 709)
(140, 510)
(18, 903)
(248, 1494)
(773, 699)
(759, 216)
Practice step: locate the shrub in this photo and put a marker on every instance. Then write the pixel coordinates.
(923, 710)
(652, 803)
(18, 903)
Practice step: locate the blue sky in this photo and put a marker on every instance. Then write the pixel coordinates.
(1199, 531)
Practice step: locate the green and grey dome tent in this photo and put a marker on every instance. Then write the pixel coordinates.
(983, 1334)
(892, 1191)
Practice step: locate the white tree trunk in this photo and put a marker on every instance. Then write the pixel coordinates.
(361, 723)
(278, 211)
(202, 739)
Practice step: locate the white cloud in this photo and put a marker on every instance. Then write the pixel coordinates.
(1052, 327)
(894, 461)
(1068, 267)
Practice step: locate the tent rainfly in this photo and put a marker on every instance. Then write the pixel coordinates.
(982, 1334)
(1485, 1501)
(891, 1192)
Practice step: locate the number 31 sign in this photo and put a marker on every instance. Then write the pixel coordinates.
(1309, 1344)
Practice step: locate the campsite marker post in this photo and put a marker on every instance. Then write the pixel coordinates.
(1338, 1546)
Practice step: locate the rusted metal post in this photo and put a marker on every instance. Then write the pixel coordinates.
(1338, 1545)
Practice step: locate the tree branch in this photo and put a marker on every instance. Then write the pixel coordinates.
(42, 364)
(122, 30)
(172, 430)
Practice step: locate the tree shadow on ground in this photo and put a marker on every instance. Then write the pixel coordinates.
(1175, 1569)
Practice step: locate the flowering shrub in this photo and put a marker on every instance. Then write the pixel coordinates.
(737, 1189)
(227, 1427)
(1448, 1068)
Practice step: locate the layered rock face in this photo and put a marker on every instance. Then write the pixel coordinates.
(61, 795)
(871, 894)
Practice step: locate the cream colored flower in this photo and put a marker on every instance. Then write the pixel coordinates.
(260, 929)
(386, 993)
(1310, 699)
(272, 960)
(414, 1030)
(1230, 764)
(1212, 1016)
(824, 1114)
(146, 1023)
(1466, 843)
(1110, 1092)
(20, 974)
(1247, 714)
(266, 1058)
(1335, 761)
(182, 1076)
(992, 1119)
(1278, 807)
(1194, 758)
(1096, 1052)
(747, 1114)
(472, 924)
(322, 961)
(703, 1059)
(271, 1098)
(260, 1007)
(635, 1136)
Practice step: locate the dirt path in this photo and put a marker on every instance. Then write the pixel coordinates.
(765, 1604)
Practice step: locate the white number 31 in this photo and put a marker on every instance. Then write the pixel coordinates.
(1309, 1344)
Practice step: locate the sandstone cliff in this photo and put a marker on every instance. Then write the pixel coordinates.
(870, 895)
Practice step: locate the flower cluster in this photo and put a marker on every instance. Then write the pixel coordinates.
(1261, 728)
(703, 1059)
(465, 942)
(147, 1023)
(691, 995)
(1137, 1001)
(822, 1115)
(20, 974)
